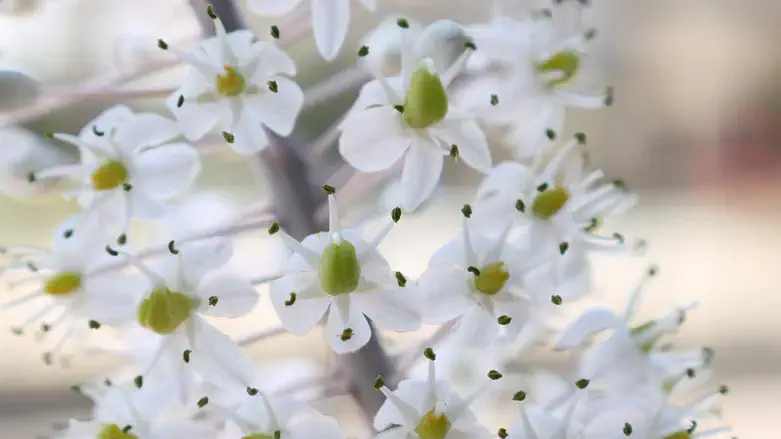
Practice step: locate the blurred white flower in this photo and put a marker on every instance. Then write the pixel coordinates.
(123, 413)
(412, 114)
(340, 274)
(631, 355)
(237, 85)
(427, 409)
(535, 66)
(179, 297)
(330, 19)
(558, 208)
(260, 416)
(127, 168)
(70, 298)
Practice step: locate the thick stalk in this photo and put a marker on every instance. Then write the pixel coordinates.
(296, 203)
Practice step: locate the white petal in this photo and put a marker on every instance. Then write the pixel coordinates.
(330, 19)
(373, 139)
(166, 171)
(195, 120)
(478, 326)
(236, 297)
(391, 309)
(309, 306)
(272, 8)
(279, 110)
(588, 324)
(422, 169)
(470, 139)
(494, 204)
(199, 258)
(336, 325)
(107, 120)
(273, 61)
(443, 289)
(147, 129)
(217, 357)
(321, 427)
(249, 135)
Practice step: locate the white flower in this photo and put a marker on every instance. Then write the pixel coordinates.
(177, 301)
(127, 168)
(260, 416)
(558, 208)
(341, 275)
(535, 67)
(481, 279)
(413, 115)
(631, 355)
(330, 19)
(239, 86)
(147, 413)
(70, 297)
(427, 409)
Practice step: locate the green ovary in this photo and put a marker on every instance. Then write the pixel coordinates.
(550, 202)
(62, 284)
(258, 436)
(565, 62)
(109, 175)
(112, 431)
(679, 435)
(433, 426)
(339, 269)
(231, 83)
(492, 278)
(164, 310)
(426, 101)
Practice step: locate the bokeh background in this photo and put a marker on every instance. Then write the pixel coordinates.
(696, 130)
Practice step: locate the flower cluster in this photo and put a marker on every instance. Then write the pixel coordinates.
(497, 290)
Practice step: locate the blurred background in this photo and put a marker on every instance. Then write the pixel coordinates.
(696, 130)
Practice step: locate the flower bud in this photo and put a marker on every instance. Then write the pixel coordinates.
(565, 63)
(112, 431)
(492, 278)
(550, 202)
(109, 176)
(62, 284)
(426, 101)
(433, 426)
(339, 269)
(164, 310)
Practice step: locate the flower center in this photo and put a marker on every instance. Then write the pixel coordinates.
(339, 269)
(679, 435)
(231, 83)
(492, 278)
(109, 175)
(164, 310)
(112, 431)
(550, 202)
(426, 101)
(433, 426)
(62, 284)
(560, 68)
